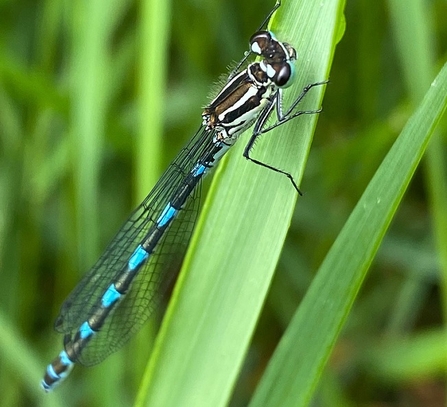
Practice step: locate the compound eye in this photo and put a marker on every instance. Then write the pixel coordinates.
(259, 41)
(284, 75)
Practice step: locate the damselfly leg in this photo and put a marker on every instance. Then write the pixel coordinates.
(262, 127)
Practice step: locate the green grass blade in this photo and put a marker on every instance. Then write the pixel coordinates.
(416, 43)
(18, 356)
(412, 358)
(231, 261)
(154, 23)
(89, 75)
(305, 347)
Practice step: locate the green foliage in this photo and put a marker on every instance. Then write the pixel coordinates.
(97, 97)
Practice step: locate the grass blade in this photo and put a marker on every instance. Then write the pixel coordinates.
(231, 261)
(304, 349)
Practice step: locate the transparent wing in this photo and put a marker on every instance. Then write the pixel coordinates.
(148, 286)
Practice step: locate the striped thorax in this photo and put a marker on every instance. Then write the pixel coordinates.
(238, 104)
(245, 95)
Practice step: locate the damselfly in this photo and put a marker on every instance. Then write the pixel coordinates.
(123, 288)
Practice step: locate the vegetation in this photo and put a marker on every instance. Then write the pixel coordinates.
(272, 306)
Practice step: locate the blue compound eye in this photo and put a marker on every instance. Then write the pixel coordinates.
(281, 74)
(284, 75)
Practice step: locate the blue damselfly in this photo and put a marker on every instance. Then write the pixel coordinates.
(121, 291)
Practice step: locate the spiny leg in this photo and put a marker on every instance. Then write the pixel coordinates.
(260, 125)
(285, 117)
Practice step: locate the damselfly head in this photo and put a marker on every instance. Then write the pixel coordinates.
(265, 44)
(278, 57)
(261, 43)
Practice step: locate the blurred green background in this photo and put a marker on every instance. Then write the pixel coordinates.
(91, 113)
